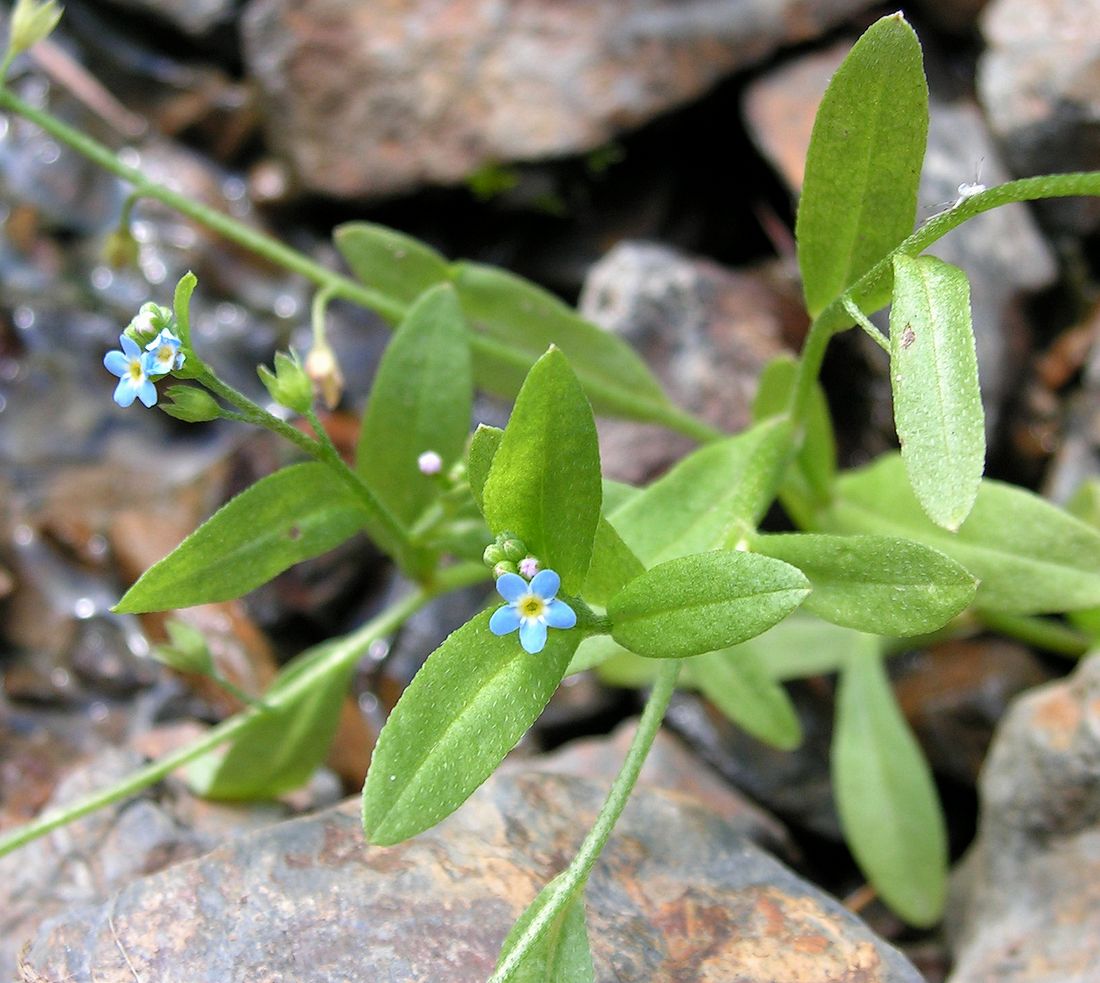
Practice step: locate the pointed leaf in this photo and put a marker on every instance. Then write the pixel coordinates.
(934, 378)
(1029, 556)
(885, 795)
(693, 507)
(877, 584)
(282, 749)
(420, 401)
(465, 709)
(479, 460)
(737, 682)
(544, 484)
(704, 602)
(561, 952)
(515, 322)
(613, 566)
(859, 195)
(289, 516)
(390, 261)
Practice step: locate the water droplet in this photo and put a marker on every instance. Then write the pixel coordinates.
(84, 607)
(378, 650)
(102, 278)
(23, 317)
(98, 711)
(368, 703)
(130, 157)
(286, 305)
(49, 153)
(22, 535)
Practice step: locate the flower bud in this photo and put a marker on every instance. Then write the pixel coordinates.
(493, 555)
(149, 321)
(529, 566)
(502, 568)
(120, 251)
(288, 385)
(324, 370)
(31, 22)
(514, 549)
(429, 463)
(187, 650)
(191, 404)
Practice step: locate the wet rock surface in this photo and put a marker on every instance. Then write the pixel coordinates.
(679, 895)
(375, 99)
(1026, 900)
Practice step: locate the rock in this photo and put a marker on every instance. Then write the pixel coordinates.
(953, 694)
(366, 100)
(678, 896)
(194, 17)
(1025, 905)
(1001, 250)
(705, 331)
(1037, 83)
(88, 860)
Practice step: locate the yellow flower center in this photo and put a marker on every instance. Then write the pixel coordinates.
(531, 606)
(136, 371)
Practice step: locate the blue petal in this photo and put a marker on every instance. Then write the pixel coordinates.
(129, 346)
(116, 363)
(147, 393)
(532, 635)
(504, 620)
(545, 584)
(124, 392)
(558, 614)
(511, 586)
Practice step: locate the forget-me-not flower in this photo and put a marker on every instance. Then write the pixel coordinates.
(531, 607)
(164, 354)
(131, 367)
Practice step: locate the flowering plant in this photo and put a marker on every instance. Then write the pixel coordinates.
(677, 579)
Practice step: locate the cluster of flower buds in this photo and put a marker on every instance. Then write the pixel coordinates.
(508, 554)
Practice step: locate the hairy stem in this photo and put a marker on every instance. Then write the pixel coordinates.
(581, 866)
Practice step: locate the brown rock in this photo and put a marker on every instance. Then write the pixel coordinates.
(376, 99)
(677, 896)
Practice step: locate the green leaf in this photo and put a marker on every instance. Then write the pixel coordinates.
(561, 952)
(693, 507)
(389, 261)
(544, 484)
(515, 322)
(807, 486)
(465, 709)
(878, 584)
(613, 566)
(479, 459)
(885, 794)
(283, 747)
(802, 645)
(1029, 556)
(934, 378)
(737, 682)
(859, 195)
(704, 602)
(289, 516)
(420, 401)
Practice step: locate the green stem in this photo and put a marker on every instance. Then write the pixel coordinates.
(575, 875)
(342, 654)
(332, 283)
(869, 329)
(1043, 633)
(252, 239)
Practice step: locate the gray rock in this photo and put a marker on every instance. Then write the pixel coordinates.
(1038, 84)
(706, 331)
(1025, 905)
(678, 896)
(376, 99)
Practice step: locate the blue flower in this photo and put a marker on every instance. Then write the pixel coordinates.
(164, 354)
(531, 608)
(131, 367)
